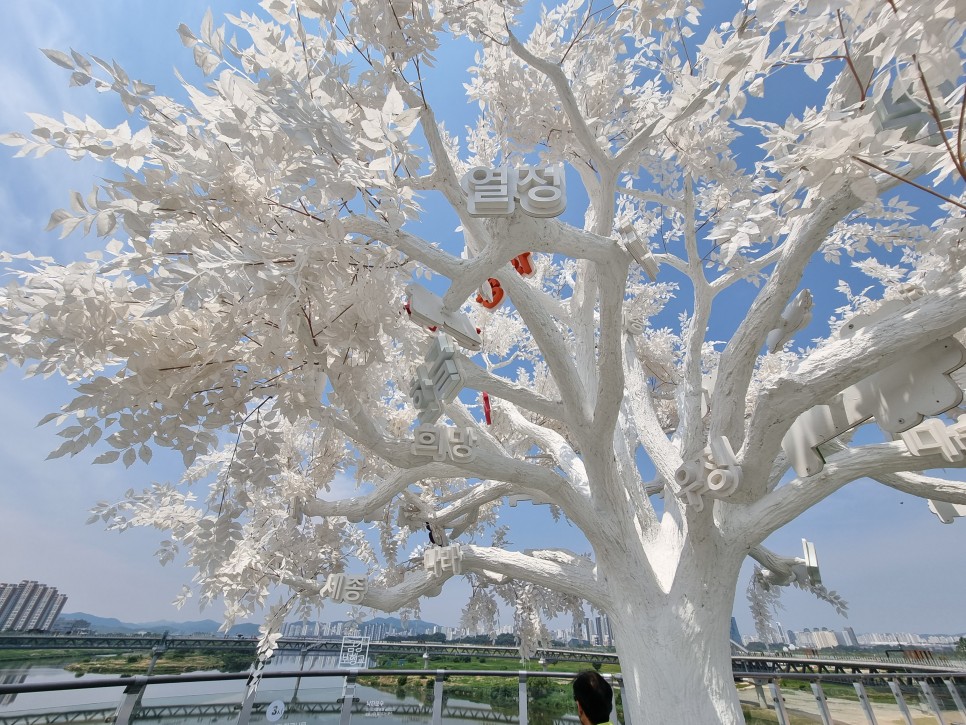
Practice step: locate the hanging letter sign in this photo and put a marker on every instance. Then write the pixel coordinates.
(457, 444)
(898, 397)
(493, 192)
(443, 558)
(345, 588)
(426, 309)
(437, 381)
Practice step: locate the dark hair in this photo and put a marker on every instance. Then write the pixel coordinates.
(594, 694)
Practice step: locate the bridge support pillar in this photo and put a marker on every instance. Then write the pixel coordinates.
(760, 692)
(931, 699)
(524, 705)
(132, 700)
(438, 697)
(864, 701)
(822, 703)
(348, 697)
(900, 701)
(951, 686)
(779, 702)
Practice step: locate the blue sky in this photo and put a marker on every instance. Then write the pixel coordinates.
(899, 568)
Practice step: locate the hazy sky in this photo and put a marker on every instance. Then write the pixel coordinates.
(899, 568)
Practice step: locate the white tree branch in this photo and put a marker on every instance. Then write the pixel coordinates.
(659, 449)
(571, 109)
(580, 581)
(511, 236)
(477, 378)
(387, 599)
(473, 498)
(552, 342)
(556, 445)
(610, 359)
(359, 508)
(650, 196)
(737, 360)
(841, 363)
(412, 246)
(917, 484)
(752, 523)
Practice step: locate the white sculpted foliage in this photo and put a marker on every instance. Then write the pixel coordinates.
(267, 304)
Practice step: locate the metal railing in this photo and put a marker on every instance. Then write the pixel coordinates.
(939, 694)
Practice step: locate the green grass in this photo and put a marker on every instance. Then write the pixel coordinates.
(33, 655)
(549, 698)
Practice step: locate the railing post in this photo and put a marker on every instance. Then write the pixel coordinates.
(951, 686)
(613, 708)
(779, 702)
(251, 689)
(523, 697)
(900, 701)
(822, 703)
(931, 699)
(864, 701)
(760, 692)
(132, 700)
(438, 697)
(348, 697)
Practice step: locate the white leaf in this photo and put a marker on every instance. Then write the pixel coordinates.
(12, 139)
(129, 457)
(61, 59)
(187, 37)
(108, 457)
(865, 188)
(814, 70)
(105, 223)
(77, 202)
(393, 104)
(383, 163)
(47, 418)
(206, 25)
(57, 218)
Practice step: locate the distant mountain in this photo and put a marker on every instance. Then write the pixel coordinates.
(110, 625)
(416, 626)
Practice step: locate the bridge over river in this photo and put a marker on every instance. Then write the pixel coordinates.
(323, 646)
(937, 694)
(742, 663)
(293, 710)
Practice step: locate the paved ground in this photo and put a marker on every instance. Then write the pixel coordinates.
(850, 712)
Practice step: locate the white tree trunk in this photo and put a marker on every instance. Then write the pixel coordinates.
(674, 647)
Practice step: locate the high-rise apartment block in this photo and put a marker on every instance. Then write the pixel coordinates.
(29, 606)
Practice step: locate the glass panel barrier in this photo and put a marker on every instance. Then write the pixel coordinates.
(303, 699)
(549, 699)
(436, 697)
(478, 698)
(386, 699)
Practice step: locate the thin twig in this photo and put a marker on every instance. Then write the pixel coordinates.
(934, 112)
(909, 181)
(848, 59)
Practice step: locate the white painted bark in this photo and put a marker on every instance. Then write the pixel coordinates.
(668, 582)
(673, 645)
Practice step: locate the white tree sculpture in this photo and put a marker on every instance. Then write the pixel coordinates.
(248, 307)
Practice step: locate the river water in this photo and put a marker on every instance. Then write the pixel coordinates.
(286, 701)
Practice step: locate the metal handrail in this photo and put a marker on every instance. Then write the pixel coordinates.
(134, 688)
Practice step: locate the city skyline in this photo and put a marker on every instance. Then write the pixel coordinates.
(898, 570)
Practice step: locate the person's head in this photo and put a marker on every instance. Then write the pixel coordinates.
(593, 695)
